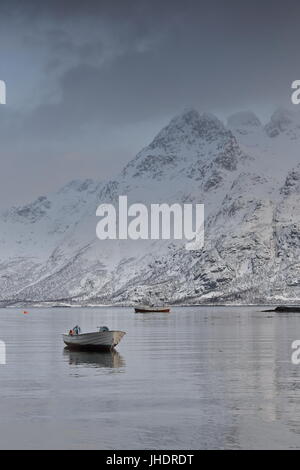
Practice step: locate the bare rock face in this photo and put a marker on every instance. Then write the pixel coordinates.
(292, 182)
(282, 121)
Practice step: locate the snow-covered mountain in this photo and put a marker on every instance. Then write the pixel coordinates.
(246, 174)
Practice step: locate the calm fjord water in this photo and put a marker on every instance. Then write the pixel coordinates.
(197, 378)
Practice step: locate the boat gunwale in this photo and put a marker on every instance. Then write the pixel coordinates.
(92, 333)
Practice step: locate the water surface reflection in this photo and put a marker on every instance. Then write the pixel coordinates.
(108, 359)
(201, 377)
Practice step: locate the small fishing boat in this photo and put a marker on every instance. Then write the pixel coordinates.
(104, 339)
(152, 309)
(285, 309)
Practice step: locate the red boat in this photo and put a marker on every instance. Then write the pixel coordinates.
(151, 309)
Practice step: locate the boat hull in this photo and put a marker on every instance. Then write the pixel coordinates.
(101, 341)
(151, 310)
(293, 309)
(285, 309)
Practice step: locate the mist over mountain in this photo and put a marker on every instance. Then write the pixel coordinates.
(246, 174)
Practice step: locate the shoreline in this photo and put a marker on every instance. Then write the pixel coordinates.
(93, 306)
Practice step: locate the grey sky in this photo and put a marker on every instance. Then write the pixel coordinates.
(90, 83)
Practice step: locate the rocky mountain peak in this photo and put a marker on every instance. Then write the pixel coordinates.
(281, 121)
(250, 188)
(189, 127)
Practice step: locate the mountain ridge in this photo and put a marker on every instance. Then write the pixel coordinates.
(49, 251)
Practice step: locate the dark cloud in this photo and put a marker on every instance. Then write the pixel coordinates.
(81, 73)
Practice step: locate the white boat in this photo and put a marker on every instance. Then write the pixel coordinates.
(102, 340)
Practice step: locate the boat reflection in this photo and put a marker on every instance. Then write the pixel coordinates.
(109, 359)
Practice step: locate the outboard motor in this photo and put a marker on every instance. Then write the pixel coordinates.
(77, 330)
(102, 329)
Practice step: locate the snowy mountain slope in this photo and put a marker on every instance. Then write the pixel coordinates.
(246, 174)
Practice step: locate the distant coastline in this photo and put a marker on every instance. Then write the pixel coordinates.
(48, 305)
